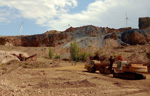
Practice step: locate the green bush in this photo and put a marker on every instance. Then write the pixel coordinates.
(74, 51)
(57, 56)
(50, 53)
(83, 56)
(90, 46)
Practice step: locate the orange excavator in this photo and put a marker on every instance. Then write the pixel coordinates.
(120, 69)
(128, 71)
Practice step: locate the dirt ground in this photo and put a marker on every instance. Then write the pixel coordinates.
(46, 77)
(61, 78)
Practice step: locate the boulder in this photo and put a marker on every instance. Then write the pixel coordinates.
(134, 37)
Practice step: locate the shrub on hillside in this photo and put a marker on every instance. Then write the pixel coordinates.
(50, 53)
(74, 51)
(57, 56)
(83, 56)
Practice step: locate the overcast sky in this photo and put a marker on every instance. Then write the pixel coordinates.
(39, 16)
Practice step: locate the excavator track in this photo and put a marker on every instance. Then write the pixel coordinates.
(129, 76)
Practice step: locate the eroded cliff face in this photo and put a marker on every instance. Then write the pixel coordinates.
(85, 36)
(95, 31)
(46, 40)
(36, 40)
(134, 37)
(10, 41)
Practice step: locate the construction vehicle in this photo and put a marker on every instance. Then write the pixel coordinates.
(129, 71)
(21, 57)
(120, 69)
(95, 65)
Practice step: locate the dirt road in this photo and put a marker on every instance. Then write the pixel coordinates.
(61, 78)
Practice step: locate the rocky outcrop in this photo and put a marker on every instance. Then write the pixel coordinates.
(89, 30)
(111, 36)
(110, 30)
(85, 36)
(36, 40)
(10, 41)
(2, 41)
(134, 37)
(52, 32)
(144, 23)
(94, 31)
(71, 29)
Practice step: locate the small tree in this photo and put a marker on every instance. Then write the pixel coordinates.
(83, 56)
(74, 51)
(57, 56)
(50, 53)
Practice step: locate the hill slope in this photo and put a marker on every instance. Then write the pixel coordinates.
(85, 36)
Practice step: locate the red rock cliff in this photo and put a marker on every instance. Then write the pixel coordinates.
(36, 40)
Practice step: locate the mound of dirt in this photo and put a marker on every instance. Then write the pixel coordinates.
(6, 56)
(68, 84)
(111, 43)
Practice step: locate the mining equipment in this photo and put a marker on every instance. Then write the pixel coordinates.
(21, 57)
(121, 69)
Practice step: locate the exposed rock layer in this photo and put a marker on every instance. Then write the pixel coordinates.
(36, 40)
(85, 36)
(134, 37)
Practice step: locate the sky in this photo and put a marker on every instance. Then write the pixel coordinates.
(39, 16)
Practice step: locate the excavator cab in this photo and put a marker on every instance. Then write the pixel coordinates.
(121, 64)
(128, 71)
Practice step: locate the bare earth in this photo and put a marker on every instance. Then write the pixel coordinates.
(46, 77)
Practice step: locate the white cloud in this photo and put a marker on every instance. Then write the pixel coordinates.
(111, 13)
(8, 15)
(40, 10)
(55, 14)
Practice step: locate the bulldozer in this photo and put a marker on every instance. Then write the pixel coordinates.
(120, 69)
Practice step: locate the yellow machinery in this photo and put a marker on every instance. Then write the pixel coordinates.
(95, 65)
(120, 69)
(129, 71)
